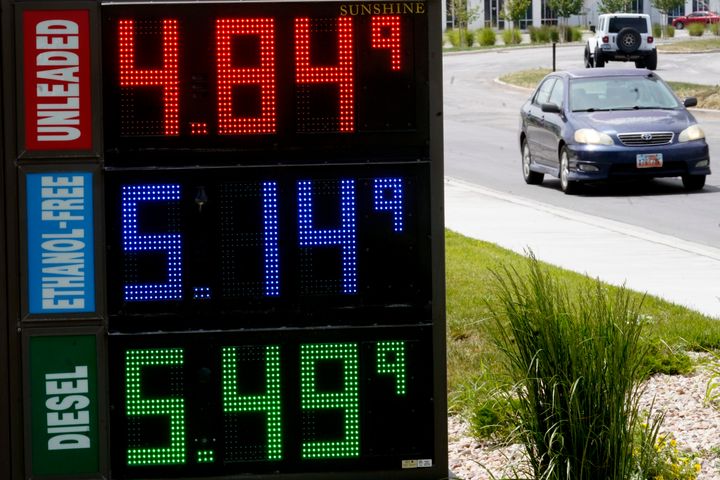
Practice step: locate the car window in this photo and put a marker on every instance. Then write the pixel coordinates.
(618, 23)
(543, 92)
(619, 93)
(556, 96)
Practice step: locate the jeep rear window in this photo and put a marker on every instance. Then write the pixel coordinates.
(618, 23)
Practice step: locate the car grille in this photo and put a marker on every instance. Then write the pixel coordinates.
(645, 138)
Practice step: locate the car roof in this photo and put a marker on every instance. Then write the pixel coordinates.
(602, 72)
(625, 15)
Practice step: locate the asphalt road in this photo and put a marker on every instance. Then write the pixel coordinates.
(481, 142)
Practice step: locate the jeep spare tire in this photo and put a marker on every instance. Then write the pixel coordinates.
(628, 40)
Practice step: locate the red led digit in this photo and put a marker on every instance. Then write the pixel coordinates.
(341, 73)
(166, 77)
(386, 34)
(228, 76)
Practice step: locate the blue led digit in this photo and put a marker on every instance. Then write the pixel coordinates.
(133, 241)
(388, 195)
(270, 239)
(344, 237)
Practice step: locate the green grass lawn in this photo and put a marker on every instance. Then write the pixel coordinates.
(701, 44)
(473, 363)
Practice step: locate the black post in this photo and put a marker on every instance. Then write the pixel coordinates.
(554, 43)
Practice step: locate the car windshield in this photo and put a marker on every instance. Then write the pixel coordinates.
(620, 93)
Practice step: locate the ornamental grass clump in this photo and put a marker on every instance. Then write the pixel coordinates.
(576, 366)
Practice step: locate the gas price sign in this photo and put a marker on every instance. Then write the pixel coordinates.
(270, 236)
(267, 77)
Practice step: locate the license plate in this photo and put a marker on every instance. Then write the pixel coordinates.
(649, 160)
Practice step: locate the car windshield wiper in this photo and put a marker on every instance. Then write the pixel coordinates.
(591, 109)
(637, 107)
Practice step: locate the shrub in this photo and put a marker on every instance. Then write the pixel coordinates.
(453, 37)
(533, 32)
(486, 37)
(715, 28)
(696, 29)
(657, 30)
(493, 418)
(577, 367)
(661, 457)
(511, 36)
(668, 31)
(544, 34)
(554, 33)
(570, 34)
(577, 34)
(469, 38)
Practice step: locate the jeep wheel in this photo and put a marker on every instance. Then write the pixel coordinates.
(679, 25)
(588, 58)
(651, 60)
(628, 40)
(599, 60)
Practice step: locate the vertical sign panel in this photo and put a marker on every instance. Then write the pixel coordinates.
(57, 80)
(63, 389)
(61, 271)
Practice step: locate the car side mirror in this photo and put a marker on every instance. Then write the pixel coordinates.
(550, 108)
(690, 102)
(592, 28)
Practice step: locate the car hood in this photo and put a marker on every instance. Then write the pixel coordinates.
(624, 121)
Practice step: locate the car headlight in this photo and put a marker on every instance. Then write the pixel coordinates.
(592, 137)
(693, 132)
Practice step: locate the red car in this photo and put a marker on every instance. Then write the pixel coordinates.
(695, 17)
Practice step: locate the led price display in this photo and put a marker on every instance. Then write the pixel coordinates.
(276, 75)
(270, 403)
(214, 243)
(272, 291)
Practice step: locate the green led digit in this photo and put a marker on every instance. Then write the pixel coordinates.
(174, 406)
(347, 399)
(269, 402)
(391, 361)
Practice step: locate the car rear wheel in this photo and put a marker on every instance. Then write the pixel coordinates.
(679, 25)
(599, 60)
(693, 182)
(651, 61)
(568, 186)
(531, 178)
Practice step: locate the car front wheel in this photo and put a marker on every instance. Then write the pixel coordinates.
(679, 25)
(588, 58)
(693, 182)
(531, 178)
(568, 187)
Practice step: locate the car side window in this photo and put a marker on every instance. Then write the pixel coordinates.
(556, 96)
(543, 93)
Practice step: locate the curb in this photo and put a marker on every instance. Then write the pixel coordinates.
(607, 224)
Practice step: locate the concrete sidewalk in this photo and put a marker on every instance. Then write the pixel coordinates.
(681, 272)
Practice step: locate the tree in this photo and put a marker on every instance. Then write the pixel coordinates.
(664, 7)
(463, 16)
(564, 9)
(614, 6)
(515, 10)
